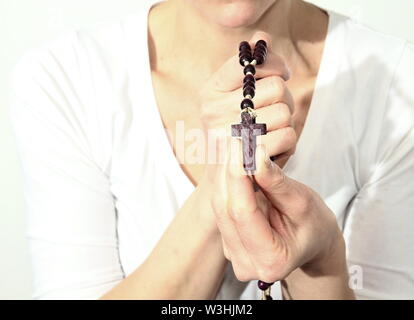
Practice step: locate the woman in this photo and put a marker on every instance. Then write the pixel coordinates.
(116, 210)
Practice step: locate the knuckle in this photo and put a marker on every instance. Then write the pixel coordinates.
(290, 136)
(277, 84)
(284, 115)
(309, 196)
(291, 151)
(242, 275)
(269, 275)
(302, 205)
(272, 271)
(304, 201)
(287, 154)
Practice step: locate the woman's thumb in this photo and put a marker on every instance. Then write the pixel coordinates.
(270, 177)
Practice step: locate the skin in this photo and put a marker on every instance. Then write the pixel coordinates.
(283, 231)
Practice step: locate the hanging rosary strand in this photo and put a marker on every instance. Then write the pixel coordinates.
(248, 129)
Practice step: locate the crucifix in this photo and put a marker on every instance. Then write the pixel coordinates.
(248, 130)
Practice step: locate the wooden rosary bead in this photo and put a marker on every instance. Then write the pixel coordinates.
(244, 50)
(249, 91)
(247, 103)
(261, 43)
(245, 53)
(249, 69)
(259, 59)
(260, 49)
(263, 285)
(244, 45)
(245, 58)
(249, 84)
(260, 52)
(248, 129)
(249, 78)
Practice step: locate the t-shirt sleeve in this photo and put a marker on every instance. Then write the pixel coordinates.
(71, 217)
(379, 227)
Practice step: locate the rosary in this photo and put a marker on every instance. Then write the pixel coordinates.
(248, 129)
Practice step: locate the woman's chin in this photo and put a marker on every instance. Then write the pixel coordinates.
(238, 15)
(232, 14)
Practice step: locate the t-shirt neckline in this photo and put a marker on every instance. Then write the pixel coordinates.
(316, 110)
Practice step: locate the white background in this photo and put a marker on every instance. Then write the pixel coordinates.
(28, 23)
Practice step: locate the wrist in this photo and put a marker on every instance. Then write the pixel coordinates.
(331, 261)
(203, 208)
(324, 278)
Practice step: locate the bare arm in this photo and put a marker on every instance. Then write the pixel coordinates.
(187, 263)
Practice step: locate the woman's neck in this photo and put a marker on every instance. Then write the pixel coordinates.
(186, 39)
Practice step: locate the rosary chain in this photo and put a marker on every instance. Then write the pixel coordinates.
(249, 61)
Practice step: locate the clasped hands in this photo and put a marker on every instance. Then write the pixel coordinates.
(283, 226)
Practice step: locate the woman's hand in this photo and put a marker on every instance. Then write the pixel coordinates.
(282, 227)
(222, 94)
(220, 100)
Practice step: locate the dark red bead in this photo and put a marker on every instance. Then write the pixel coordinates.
(249, 91)
(264, 285)
(260, 52)
(249, 84)
(259, 59)
(261, 43)
(247, 103)
(260, 55)
(244, 45)
(249, 78)
(269, 298)
(245, 59)
(245, 53)
(260, 48)
(249, 68)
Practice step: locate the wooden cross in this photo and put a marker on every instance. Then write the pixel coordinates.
(248, 130)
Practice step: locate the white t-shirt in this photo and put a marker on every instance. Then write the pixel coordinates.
(102, 183)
